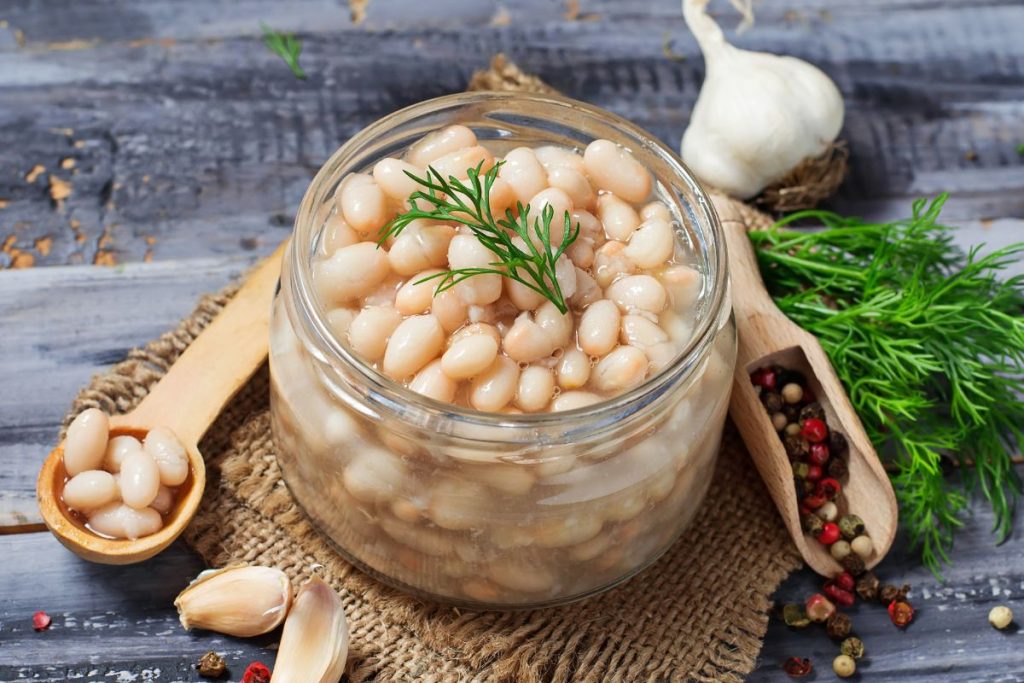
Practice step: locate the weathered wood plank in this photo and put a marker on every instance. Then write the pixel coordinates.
(200, 146)
(62, 325)
(109, 623)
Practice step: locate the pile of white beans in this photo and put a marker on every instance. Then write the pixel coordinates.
(492, 343)
(508, 515)
(120, 486)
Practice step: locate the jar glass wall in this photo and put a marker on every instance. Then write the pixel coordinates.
(488, 509)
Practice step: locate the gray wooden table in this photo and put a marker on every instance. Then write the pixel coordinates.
(188, 146)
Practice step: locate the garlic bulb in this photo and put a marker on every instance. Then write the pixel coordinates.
(758, 115)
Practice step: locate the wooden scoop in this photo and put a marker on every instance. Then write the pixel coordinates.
(767, 337)
(187, 400)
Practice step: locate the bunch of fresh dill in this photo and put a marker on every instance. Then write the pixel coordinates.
(929, 343)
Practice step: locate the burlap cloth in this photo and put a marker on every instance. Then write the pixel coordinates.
(699, 613)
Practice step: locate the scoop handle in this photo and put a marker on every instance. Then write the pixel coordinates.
(218, 363)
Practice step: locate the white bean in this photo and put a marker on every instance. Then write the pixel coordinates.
(560, 204)
(121, 521)
(581, 252)
(524, 298)
(565, 275)
(621, 370)
(140, 479)
(565, 531)
(614, 169)
(526, 341)
(469, 356)
(556, 325)
(455, 164)
(384, 294)
(415, 296)
(573, 369)
(571, 400)
(524, 173)
(598, 331)
(678, 328)
(86, 441)
(635, 292)
(351, 272)
(475, 328)
(90, 490)
(392, 177)
(640, 332)
(339, 320)
(164, 501)
(590, 226)
(421, 245)
(574, 184)
(656, 209)
(492, 389)
(466, 251)
(587, 290)
(369, 332)
(660, 356)
(683, 285)
(449, 309)
(374, 475)
(432, 382)
(117, 448)
(652, 244)
(365, 207)
(536, 385)
(457, 504)
(438, 143)
(501, 197)
(337, 235)
(618, 218)
(611, 263)
(552, 157)
(415, 342)
(516, 479)
(166, 450)
(521, 576)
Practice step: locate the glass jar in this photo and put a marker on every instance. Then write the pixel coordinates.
(490, 510)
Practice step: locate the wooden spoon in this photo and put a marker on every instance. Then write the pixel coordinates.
(767, 337)
(187, 399)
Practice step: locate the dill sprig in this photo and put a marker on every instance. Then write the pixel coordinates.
(286, 46)
(530, 260)
(929, 343)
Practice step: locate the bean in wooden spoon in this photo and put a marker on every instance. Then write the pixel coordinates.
(768, 337)
(187, 400)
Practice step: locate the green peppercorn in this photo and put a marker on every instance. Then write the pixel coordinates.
(852, 647)
(812, 524)
(795, 616)
(838, 626)
(854, 564)
(772, 402)
(851, 526)
(800, 470)
(868, 587)
(812, 410)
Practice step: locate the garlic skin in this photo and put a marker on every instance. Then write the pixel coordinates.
(239, 600)
(758, 115)
(314, 641)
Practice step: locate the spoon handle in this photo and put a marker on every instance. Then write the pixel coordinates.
(218, 362)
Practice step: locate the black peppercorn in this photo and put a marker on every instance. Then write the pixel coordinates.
(837, 468)
(792, 412)
(812, 410)
(796, 446)
(852, 647)
(838, 626)
(812, 524)
(854, 564)
(888, 593)
(211, 665)
(837, 445)
(867, 587)
(784, 376)
(851, 526)
(772, 401)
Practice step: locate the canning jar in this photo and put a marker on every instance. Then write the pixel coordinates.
(496, 510)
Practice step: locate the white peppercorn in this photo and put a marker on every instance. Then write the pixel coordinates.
(779, 421)
(863, 546)
(792, 393)
(844, 666)
(1000, 616)
(840, 549)
(829, 511)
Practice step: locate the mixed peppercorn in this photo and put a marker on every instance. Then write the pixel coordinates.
(818, 455)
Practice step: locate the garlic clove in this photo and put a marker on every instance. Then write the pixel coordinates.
(314, 642)
(239, 600)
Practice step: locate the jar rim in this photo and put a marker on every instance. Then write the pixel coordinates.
(392, 393)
